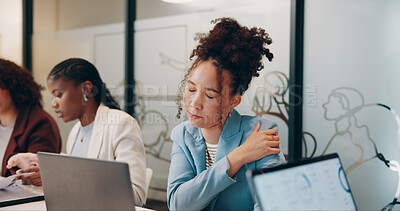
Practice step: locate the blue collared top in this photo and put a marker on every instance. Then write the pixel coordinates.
(192, 187)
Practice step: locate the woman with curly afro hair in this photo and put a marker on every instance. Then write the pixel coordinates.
(24, 125)
(215, 147)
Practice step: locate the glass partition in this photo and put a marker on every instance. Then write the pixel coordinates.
(351, 69)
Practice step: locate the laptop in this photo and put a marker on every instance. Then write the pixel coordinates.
(74, 183)
(313, 184)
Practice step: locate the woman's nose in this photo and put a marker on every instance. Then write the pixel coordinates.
(54, 103)
(197, 102)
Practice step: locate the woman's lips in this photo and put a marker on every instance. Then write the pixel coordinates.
(59, 114)
(193, 116)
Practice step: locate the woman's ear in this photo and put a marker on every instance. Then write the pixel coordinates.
(87, 87)
(235, 101)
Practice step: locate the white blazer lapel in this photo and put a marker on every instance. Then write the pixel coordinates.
(72, 137)
(96, 141)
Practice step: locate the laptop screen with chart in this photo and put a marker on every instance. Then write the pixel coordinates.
(313, 184)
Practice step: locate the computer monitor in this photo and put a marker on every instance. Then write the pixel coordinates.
(312, 184)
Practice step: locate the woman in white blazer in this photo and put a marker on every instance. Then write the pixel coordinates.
(103, 131)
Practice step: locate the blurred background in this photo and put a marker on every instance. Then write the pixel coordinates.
(350, 68)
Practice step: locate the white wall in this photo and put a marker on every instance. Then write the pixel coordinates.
(11, 30)
(83, 13)
(55, 15)
(45, 16)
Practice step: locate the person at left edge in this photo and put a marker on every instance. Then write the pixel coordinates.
(24, 125)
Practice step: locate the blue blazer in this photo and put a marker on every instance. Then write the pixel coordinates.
(192, 187)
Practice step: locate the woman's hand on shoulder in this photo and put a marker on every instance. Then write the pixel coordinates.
(258, 145)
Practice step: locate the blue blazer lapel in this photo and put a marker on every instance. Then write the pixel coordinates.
(195, 142)
(231, 136)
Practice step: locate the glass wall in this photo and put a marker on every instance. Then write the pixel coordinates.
(351, 72)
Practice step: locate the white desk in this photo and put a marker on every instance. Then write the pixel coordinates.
(37, 205)
(40, 205)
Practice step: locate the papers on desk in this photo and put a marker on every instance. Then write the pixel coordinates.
(9, 181)
(13, 192)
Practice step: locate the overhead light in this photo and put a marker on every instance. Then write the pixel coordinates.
(177, 1)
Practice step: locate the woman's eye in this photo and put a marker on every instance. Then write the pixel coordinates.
(210, 97)
(58, 95)
(192, 90)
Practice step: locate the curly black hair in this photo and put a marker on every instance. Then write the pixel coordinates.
(231, 47)
(23, 89)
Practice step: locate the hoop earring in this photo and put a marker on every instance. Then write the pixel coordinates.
(85, 98)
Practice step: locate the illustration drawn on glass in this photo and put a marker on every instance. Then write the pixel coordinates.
(271, 99)
(342, 107)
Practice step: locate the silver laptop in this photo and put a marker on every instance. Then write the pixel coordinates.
(73, 183)
(313, 184)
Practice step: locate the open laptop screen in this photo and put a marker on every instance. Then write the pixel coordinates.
(314, 184)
